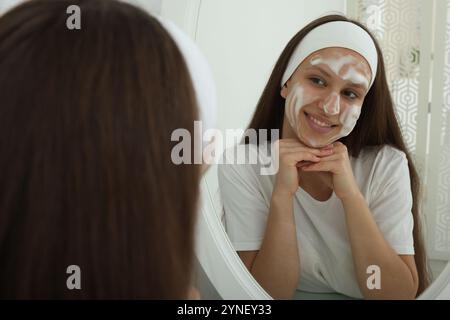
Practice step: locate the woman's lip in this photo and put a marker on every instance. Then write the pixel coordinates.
(316, 127)
(321, 119)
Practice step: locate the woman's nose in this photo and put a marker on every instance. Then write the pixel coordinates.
(331, 105)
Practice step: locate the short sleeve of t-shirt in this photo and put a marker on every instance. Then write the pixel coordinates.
(391, 199)
(246, 207)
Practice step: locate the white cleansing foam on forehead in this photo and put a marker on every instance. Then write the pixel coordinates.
(353, 75)
(334, 63)
(339, 62)
(339, 34)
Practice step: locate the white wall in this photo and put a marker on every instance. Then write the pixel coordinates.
(154, 6)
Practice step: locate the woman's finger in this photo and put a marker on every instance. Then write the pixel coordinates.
(289, 142)
(302, 164)
(295, 157)
(316, 152)
(332, 157)
(327, 166)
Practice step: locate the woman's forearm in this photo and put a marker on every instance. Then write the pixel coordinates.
(277, 265)
(370, 248)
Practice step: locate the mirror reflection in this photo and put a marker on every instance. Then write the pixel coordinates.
(341, 217)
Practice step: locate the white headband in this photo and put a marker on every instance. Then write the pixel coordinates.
(201, 75)
(341, 34)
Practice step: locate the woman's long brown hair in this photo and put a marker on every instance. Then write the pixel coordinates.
(86, 176)
(376, 126)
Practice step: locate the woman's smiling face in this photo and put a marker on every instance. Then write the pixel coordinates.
(325, 94)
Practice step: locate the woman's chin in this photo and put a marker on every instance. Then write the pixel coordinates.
(314, 142)
(309, 142)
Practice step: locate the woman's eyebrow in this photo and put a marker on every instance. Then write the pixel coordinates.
(320, 69)
(361, 86)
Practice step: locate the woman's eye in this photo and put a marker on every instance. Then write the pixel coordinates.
(351, 94)
(317, 81)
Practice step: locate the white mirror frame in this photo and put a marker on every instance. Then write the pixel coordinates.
(216, 254)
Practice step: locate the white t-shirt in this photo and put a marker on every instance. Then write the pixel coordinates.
(324, 249)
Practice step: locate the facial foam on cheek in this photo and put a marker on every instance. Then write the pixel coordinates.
(295, 101)
(348, 119)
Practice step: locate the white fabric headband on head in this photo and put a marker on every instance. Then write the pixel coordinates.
(201, 75)
(341, 34)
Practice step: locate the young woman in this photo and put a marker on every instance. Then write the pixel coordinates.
(341, 214)
(86, 174)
